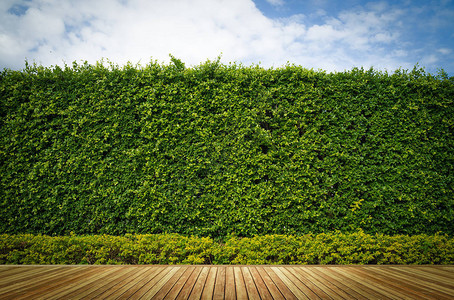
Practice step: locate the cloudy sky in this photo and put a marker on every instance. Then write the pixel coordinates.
(322, 34)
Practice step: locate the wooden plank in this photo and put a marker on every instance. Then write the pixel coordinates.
(230, 290)
(449, 268)
(179, 284)
(414, 290)
(299, 282)
(343, 283)
(383, 284)
(437, 270)
(208, 289)
(321, 286)
(160, 272)
(271, 286)
(289, 283)
(219, 286)
(196, 292)
(9, 268)
(40, 284)
(240, 286)
(342, 276)
(85, 287)
(434, 278)
(68, 283)
(429, 285)
(444, 283)
(285, 291)
(72, 285)
(229, 282)
(189, 285)
(153, 286)
(305, 279)
(119, 276)
(128, 284)
(151, 273)
(9, 272)
(333, 288)
(23, 274)
(169, 282)
(260, 284)
(412, 283)
(252, 291)
(370, 288)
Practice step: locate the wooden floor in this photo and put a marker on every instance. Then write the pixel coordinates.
(226, 282)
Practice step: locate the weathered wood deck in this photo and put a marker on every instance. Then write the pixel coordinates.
(226, 282)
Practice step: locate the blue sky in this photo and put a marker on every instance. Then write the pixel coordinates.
(319, 34)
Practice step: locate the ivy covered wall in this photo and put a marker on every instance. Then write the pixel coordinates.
(218, 149)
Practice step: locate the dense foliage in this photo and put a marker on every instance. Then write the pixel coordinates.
(332, 248)
(218, 149)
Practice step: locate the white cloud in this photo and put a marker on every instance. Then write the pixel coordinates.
(384, 37)
(192, 30)
(324, 33)
(430, 59)
(399, 53)
(276, 2)
(51, 32)
(377, 6)
(445, 51)
(355, 38)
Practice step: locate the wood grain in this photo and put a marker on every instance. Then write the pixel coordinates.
(227, 282)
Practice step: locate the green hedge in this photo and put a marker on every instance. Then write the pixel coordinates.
(218, 149)
(329, 248)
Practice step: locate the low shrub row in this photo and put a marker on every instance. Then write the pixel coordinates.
(325, 248)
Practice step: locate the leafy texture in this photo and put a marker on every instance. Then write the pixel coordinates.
(218, 149)
(332, 248)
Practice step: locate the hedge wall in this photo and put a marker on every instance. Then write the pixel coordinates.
(331, 248)
(218, 149)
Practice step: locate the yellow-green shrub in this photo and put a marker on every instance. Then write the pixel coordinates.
(170, 249)
(325, 248)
